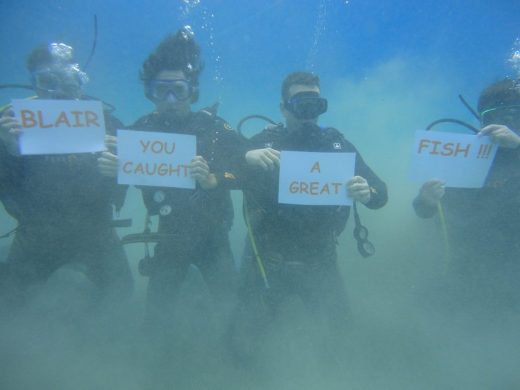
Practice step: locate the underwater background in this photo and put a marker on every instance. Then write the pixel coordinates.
(388, 68)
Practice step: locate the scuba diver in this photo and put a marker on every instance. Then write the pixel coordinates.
(193, 223)
(482, 225)
(292, 248)
(63, 203)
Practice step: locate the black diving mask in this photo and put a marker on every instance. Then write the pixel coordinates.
(502, 115)
(160, 90)
(306, 105)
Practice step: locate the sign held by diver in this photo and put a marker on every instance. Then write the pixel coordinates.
(311, 178)
(460, 160)
(155, 159)
(60, 126)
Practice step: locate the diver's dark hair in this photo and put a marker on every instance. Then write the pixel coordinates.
(501, 93)
(176, 52)
(298, 78)
(38, 57)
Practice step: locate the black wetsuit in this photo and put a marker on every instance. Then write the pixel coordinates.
(483, 227)
(198, 221)
(63, 206)
(297, 243)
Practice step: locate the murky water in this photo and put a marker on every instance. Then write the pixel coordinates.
(387, 70)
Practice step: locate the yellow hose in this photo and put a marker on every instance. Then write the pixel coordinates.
(252, 240)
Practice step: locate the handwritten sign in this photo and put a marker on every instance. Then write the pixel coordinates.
(155, 158)
(60, 126)
(461, 160)
(315, 178)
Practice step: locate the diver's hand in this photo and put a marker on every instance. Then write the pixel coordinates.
(111, 143)
(199, 170)
(501, 135)
(359, 190)
(431, 192)
(10, 131)
(266, 159)
(108, 164)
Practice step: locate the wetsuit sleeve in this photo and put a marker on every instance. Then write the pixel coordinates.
(252, 174)
(11, 169)
(4, 168)
(117, 191)
(230, 168)
(112, 124)
(422, 209)
(379, 193)
(11, 179)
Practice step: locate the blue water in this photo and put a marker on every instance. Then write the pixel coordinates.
(258, 42)
(388, 69)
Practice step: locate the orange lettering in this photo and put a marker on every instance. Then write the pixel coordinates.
(125, 165)
(40, 121)
(174, 171)
(144, 145)
(171, 150)
(77, 115)
(435, 144)
(163, 169)
(139, 168)
(423, 145)
(91, 118)
(27, 118)
(155, 149)
(314, 188)
(464, 151)
(447, 149)
(151, 173)
(62, 118)
(316, 167)
(325, 189)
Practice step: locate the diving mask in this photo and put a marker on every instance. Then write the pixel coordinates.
(502, 115)
(61, 52)
(60, 80)
(160, 90)
(306, 105)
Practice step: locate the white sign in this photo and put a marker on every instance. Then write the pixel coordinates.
(313, 178)
(460, 160)
(60, 126)
(155, 159)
